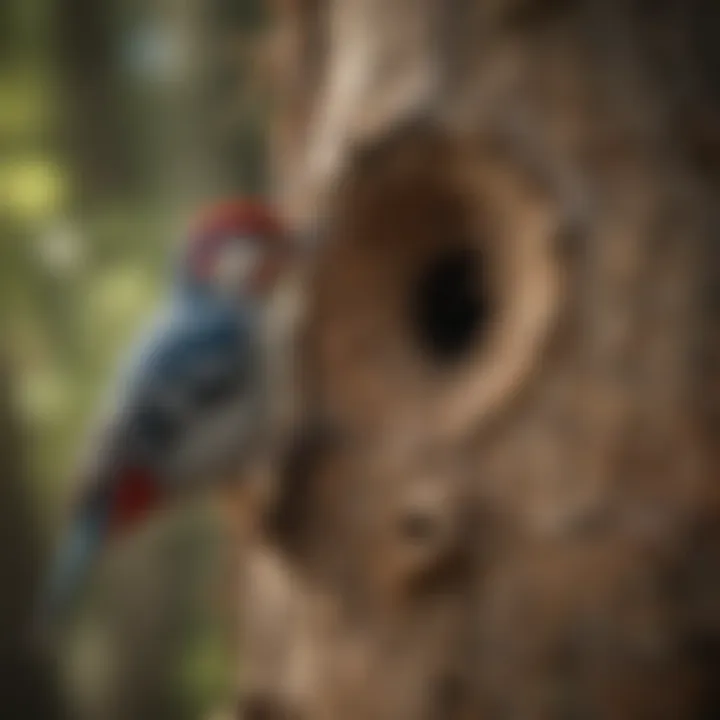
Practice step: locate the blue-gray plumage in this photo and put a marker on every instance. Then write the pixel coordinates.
(189, 397)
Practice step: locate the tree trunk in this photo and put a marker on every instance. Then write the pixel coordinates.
(510, 332)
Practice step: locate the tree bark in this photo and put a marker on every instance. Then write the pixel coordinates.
(511, 330)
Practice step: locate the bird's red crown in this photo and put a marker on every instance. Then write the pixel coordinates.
(232, 218)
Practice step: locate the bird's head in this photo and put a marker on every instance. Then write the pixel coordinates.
(236, 249)
(189, 396)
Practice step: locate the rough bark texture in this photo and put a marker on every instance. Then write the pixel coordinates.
(510, 332)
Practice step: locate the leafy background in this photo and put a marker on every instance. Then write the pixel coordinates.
(117, 120)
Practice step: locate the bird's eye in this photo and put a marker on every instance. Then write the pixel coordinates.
(236, 261)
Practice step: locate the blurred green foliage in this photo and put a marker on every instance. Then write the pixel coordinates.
(84, 249)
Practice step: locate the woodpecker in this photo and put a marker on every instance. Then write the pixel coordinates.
(190, 399)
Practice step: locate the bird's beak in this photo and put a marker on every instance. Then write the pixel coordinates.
(273, 269)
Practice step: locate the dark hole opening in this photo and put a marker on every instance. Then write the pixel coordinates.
(452, 305)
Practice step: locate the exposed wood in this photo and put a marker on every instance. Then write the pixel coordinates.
(519, 519)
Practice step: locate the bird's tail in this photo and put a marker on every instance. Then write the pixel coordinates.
(68, 574)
